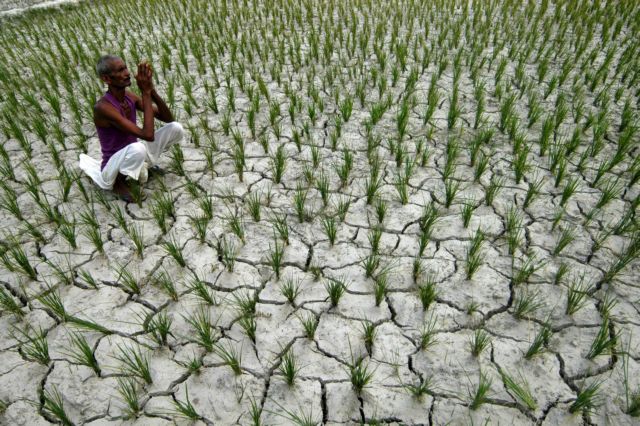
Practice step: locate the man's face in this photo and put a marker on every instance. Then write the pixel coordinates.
(119, 75)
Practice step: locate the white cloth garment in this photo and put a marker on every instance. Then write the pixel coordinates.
(132, 159)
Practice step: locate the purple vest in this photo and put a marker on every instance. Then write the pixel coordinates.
(112, 139)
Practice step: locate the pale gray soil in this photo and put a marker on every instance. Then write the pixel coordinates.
(113, 298)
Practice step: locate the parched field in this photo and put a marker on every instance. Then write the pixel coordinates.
(383, 212)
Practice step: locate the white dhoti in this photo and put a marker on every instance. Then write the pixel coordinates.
(132, 160)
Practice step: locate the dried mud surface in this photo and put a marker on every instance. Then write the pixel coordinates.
(404, 262)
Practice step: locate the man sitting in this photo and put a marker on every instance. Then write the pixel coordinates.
(115, 118)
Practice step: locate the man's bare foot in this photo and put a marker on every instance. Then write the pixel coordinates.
(122, 190)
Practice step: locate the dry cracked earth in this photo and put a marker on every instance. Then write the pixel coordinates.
(322, 248)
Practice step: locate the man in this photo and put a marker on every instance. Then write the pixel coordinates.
(115, 118)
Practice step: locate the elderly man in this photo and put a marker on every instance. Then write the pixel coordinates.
(115, 118)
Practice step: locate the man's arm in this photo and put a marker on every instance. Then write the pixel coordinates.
(110, 116)
(162, 113)
(160, 110)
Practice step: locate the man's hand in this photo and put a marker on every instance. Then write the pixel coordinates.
(144, 77)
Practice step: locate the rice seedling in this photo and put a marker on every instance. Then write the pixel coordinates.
(134, 363)
(9, 201)
(245, 303)
(128, 391)
(275, 258)
(159, 326)
(454, 108)
(81, 353)
(495, 185)
(467, 210)
(53, 406)
(520, 389)
(479, 342)
(281, 227)
(201, 290)
(177, 160)
(290, 289)
(205, 334)
(381, 210)
(611, 190)
(428, 292)
(335, 290)
(33, 344)
(370, 264)
(289, 367)
(135, 233)
(9, 304)
(629, 253)
(369, 332)
(527, 267)
(229, 356)
(474, 256)
(579, 290)
(451, 189)
(126, 279)
(540, 341)
(299, 203)
(227, 253)
(567, 236)
(344, 170)
(330, 228)
(278, 164)
(185, 409)
(588, 399)
(479, 397)
(427, 336)
(360, 374)
(605, 341)
(299, 419)
(342, 207)
(15, 259)
(166, 284)
(526, 303)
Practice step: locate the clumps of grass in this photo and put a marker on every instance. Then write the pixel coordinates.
(281, 228)
(185, 409)
(474, 256)
(290, 289)
(369, 332)
(278, 164)
(309, 324)
(605, 341)
(9, 304)
(227, 252)
(566, 237)
(134, 362)
(468, 208)
(578, 294)
(159, 326)
(479, 342)
(519, 389)
(492, 190)
(526, 303)
(533, 190)
(174, 249)
(53, 405)
(479, 397)
(300, 203)
(129, 393)
(275, 258)
(540, 341)
(254, 204)
(230, 356)
(428, 292)
(205, 334)
(588, 399)
(380, 287)
(335, 288)
(330, 228)
(361, 374)
(33, 344)
(289, 367)
(81, 353)
(201, 290)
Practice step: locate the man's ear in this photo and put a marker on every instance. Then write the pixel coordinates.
(106, 78)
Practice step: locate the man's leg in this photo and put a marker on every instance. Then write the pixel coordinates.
(126, 162)
(166, 136)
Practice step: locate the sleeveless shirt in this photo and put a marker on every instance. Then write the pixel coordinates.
(112, 139)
